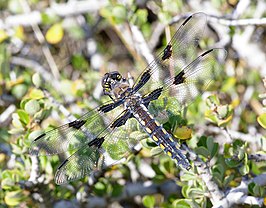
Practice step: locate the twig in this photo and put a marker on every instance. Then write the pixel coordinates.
(5, 117)
(214, 193)
(224, 21)
(68, 9)
(41, 39)
(234, 134)
(37, 68)
(155, 36)
(240, 8)
(239, 22)
(257, 157)
(35, 169)
(136, 44)
(238, 195)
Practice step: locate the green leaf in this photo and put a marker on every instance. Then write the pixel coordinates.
(23, 102)
(181, 203)
(32, 107)
(19, 90)
(36, 94)
(232, 163)
(148, 201)
(262, 120)
(42, 114)
(228, 179)
(79, 62)
(212, 147)
(148, 143)
(244, 170)
(37, 80)
(33, 135)
(202, 141)
(14, 198)
(188, 176)
(116, 150)
(76, 32)
(7, 183)
(49, 19)
(156, 151)
(259, 191)
(117, 190)
(142, 15)
(137, 135)
(212, 100)
(251, 187)
(219, 168)
(256, 190)
(100, 188)
(119, 13)
(202, 151)
(16, 122)
(23, 116)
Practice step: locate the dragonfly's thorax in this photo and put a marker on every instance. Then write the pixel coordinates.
(133, 101)
(115, 85)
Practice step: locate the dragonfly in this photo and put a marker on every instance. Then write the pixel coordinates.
(96, 141)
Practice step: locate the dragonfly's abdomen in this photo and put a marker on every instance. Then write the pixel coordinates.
(159, 135)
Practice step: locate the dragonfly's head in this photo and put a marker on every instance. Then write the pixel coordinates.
(114, 84)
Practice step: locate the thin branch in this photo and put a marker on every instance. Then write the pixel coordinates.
(64, 10)
(241, 7)
(257, 157)
(40, 37)
(239, 196)
(5, 117)
(35, 169)
(223, 21)
(239, 22)
(28, 63)
(233, 134)
(214, 193)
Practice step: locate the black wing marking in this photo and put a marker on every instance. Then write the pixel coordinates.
(74, 134)
(105, 150)
(120, 121)
(178, 53)
(191, 81)
(195, 78)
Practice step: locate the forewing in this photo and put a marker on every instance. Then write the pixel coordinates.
(178, 53)
(71, 136)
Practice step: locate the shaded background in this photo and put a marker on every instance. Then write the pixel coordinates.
(52, 57)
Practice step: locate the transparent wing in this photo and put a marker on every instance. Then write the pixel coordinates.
(178, 53)
(195, 78)
(105, 150)
(72, 135)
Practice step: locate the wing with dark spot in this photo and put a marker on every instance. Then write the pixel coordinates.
(195, 78)
(108, 148)
(178, 53)
(178, 71)
(74, 134)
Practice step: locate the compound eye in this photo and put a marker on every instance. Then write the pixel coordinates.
(118, 77)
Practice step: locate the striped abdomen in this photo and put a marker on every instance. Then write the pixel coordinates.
(159, 135)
